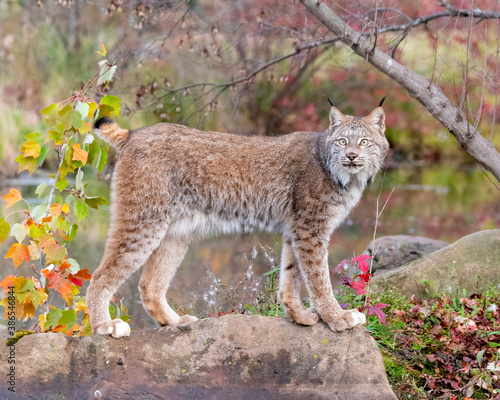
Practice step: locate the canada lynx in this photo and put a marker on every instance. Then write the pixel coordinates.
(173, 183)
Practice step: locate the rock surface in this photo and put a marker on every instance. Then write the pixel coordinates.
(395, 251)
(471, 263)
(231, 357)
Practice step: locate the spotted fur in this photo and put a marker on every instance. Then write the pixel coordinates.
(173, 183)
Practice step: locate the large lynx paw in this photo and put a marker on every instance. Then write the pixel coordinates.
(306, 316)
(346, 320)
(116, 328)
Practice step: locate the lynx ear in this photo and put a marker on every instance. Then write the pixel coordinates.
(336, 117)
(377, 119)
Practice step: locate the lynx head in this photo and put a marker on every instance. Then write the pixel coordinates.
(357, 145)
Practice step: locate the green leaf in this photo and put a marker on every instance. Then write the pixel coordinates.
(71, 119)
(112, 311)
(41, 158)
(68, 318)
(52, 318)
(75, 267)
(82, 211)
(38, 211)
(51, 114)
(28, 163)
(4, 230)
(35, 137)
(61, 183)
(106, 72)
(79, 180)
(480, 357)
(28, 286)
(95, 202)
(493, 344)
(93, 151)
(41, 189)
(37, 297)
(19, 232)
(83, 109)
(103, 158)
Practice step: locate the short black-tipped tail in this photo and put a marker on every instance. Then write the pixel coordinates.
(111, 132)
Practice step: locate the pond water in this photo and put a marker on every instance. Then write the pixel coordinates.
(439, 202)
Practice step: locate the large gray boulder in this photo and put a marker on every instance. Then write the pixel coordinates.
(231, 357)
(390, 252)
(471, 263)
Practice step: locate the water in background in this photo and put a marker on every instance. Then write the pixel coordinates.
(461, 203)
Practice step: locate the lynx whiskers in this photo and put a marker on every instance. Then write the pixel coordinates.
(173, 183)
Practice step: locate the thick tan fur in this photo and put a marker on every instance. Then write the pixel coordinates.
(173, 183)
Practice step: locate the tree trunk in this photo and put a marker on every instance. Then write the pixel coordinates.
(427, 93)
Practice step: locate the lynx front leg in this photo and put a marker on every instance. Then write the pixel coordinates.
(290, 285)
(313, 261)
(156, 277)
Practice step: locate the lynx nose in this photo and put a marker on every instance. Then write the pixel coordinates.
(351, 156)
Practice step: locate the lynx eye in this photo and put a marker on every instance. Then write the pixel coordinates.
(364, 142)
(342, 142)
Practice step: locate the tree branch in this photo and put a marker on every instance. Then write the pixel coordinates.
(418, 86)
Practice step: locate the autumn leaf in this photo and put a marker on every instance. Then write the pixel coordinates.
(12, 197)
(362, 263)
(57, 282)
(79, 154)
(359, 287)
(54, 252)
(55, 209)
(7, 282)
(31, 149)
(18, 252)
(4, 230)
(377, 310)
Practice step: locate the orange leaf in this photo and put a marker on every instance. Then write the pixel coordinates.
(55, 209)
(79, 154)
(18, 252)
(12, 198)
(83, 275)
(28, 310)
(7, 282)
(47, 219)
(54, 252)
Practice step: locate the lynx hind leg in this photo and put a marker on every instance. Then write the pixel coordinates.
(313, 256)
(126, 250)
(290, 285)
(155, 281)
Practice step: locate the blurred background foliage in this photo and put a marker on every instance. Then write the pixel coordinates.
(178, 61)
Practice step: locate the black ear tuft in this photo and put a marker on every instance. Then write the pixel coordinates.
(102, 121)
(382, 101)
(329, 101)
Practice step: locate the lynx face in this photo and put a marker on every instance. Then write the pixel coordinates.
(172, 183)
(358, 145)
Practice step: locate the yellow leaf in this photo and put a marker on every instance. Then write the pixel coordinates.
(104, 52)
(31, 149)
(65, 209)
(79, 154)
(41, 321)
(12, 197)
(34, 251)
(81, 306)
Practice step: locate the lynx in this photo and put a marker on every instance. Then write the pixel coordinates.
(172, 184)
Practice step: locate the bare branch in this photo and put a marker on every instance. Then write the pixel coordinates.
(419, 87)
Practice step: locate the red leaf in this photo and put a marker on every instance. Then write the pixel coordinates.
(362, 263)
(377, 310)
(359, 287)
